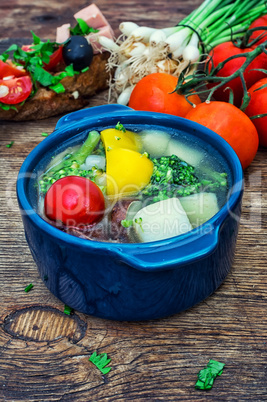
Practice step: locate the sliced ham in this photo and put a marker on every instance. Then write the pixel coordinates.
(63, 33)
(93, 16)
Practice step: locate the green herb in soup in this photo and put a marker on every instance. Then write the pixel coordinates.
(124, 186)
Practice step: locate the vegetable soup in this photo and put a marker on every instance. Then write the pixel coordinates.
(123, 184)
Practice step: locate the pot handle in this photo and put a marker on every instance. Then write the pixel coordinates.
(89, 112)
(190, 247)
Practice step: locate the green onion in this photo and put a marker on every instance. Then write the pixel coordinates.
(180, 47)
(28, 288)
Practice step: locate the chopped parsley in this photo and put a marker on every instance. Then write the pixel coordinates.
(28, 288)
(10, 144)
(126, 223)
(100, 361)
(82, 28)
(67, 310)
(207, 375)
(34, 62)
(120, 127)
(84, 69)
(4, 106)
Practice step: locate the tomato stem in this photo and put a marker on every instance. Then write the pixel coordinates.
(199, 79)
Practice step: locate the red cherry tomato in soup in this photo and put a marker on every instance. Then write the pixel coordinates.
(222, 52)
(154, 93)
(256, 106)
(259, 22)
(15, 90)
(231, 124)
(10, 70)
(74, 201)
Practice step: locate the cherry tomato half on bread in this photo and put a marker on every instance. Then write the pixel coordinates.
(154, 93)
(231, 124)
(54, 60)
(15, 90)
(222, 52)
(75, 201)
(9, 69)
(256, 106)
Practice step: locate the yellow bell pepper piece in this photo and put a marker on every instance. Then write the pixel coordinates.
(113, 138)
(127, 171)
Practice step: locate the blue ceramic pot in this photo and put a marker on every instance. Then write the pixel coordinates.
(131, 281)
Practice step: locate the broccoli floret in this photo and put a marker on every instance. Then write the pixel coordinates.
(70, 165)
(173, 177)
(212, 180)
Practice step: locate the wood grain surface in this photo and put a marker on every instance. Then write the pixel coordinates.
(44, 354)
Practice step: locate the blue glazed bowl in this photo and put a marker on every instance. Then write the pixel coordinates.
(131, 281)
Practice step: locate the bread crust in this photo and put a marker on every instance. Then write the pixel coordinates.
(78, 89)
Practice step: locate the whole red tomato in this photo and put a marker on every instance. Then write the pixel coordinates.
(256, 106)
(222, 52)
(15, 90)
(153, 93)
(231, 124)
(75, 201)
(259, 22)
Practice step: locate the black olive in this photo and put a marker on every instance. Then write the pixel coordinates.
(78, 51)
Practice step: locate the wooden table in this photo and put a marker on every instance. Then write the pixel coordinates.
(44, 353)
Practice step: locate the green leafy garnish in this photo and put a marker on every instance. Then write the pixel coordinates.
(44, 77)
(34, 62)
(139, 221)
(84, 69)
(28, 288)
(44, 134)
(36, 39)
(4, 106)
(126, 223)
(67, 310)
(207, 375)
(58, 88)
(120, 127)
(82, 28)
(10, 144)
(100, 361)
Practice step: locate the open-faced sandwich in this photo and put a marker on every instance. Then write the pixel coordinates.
(45, 79)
